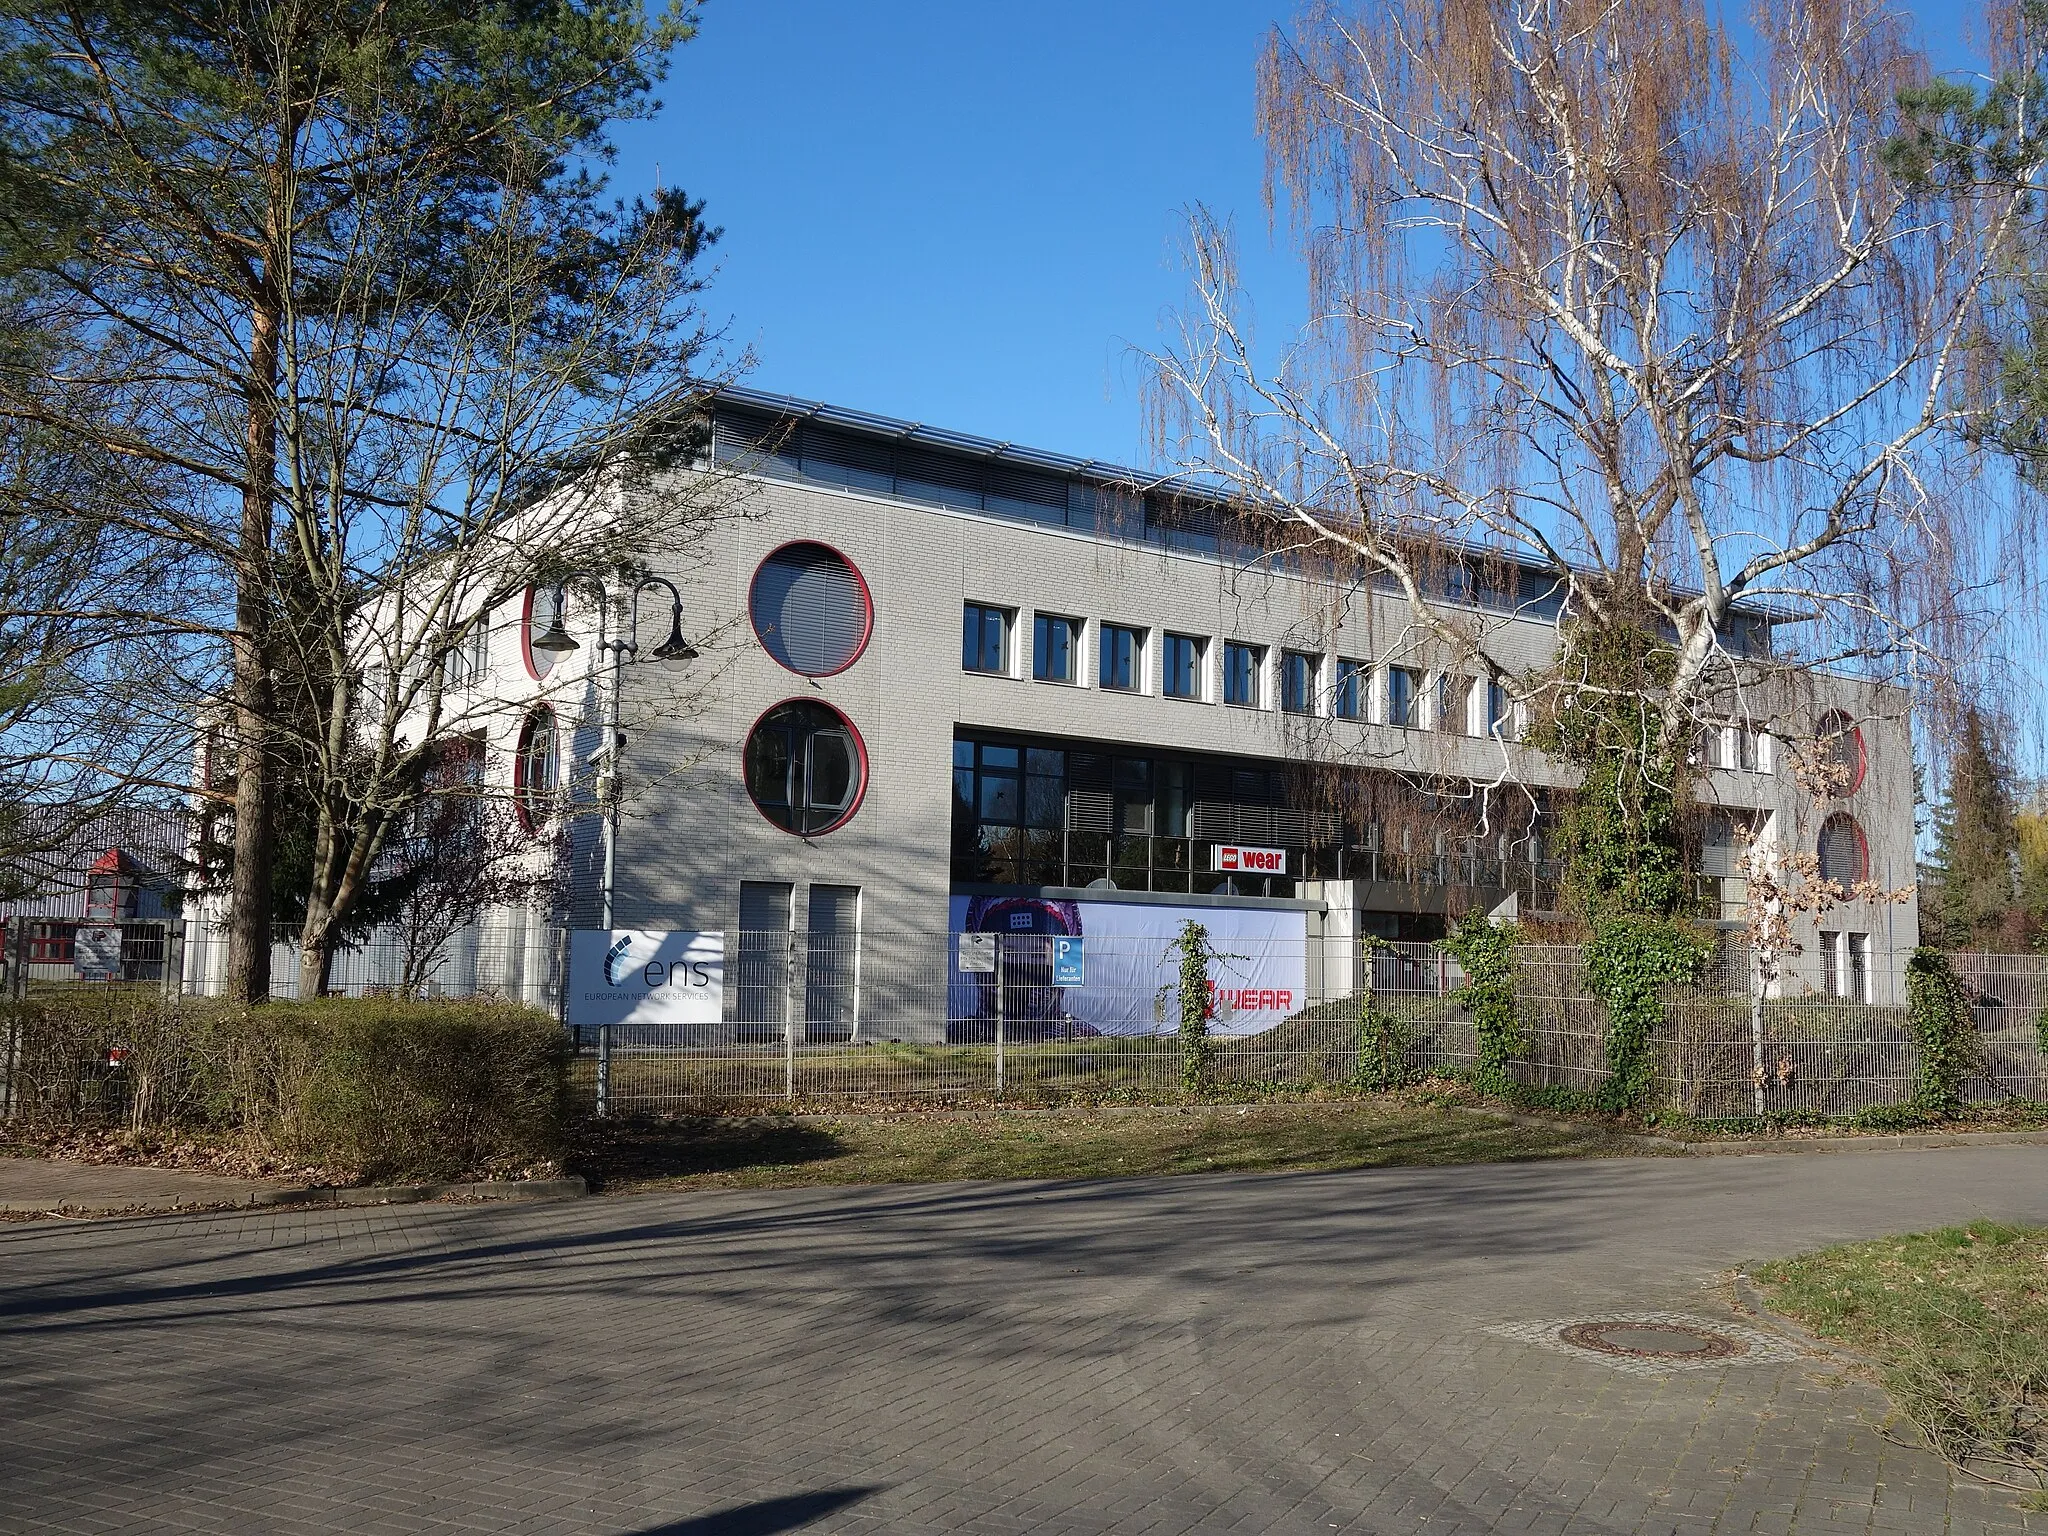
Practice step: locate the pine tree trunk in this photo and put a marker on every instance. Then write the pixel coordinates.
(249, 891)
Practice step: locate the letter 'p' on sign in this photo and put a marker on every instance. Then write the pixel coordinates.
(1233, 858)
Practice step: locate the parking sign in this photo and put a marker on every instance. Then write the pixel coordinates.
(1067, 959)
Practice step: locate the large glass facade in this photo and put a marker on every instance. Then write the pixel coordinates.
(1042, 813)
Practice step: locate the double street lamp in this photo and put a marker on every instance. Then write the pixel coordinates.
(676, 653)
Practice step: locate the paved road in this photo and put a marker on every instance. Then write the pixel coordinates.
(1293, 1353)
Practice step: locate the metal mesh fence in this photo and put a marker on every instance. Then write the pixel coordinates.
(893, 1016)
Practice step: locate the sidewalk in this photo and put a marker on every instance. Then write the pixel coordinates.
(51, 1185)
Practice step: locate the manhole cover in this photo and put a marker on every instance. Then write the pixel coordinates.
(1652, 1341)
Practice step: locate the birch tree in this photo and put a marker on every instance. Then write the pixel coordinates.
(1598, 288)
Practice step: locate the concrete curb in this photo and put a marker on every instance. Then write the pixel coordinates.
(1874, 1143)
(272, 1199)
(412, 1194)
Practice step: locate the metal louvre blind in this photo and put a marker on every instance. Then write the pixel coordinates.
(809, 607)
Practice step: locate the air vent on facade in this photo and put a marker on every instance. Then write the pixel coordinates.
(810, 609)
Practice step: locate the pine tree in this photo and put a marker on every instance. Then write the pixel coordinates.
(1976, 845)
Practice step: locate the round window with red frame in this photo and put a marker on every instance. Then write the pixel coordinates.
(806, 767)
(1844, 852)
(811, 609)
(1840, 741)
(536, 769)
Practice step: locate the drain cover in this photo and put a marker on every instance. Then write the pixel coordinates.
(1652, 1341)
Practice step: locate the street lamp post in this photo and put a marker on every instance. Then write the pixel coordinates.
(674, 651)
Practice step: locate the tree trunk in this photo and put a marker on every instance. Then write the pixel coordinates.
(249, 889)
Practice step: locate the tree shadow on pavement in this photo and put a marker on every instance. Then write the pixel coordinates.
(764, 1517)
(610, 1153)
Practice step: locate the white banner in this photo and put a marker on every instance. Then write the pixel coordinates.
(645, 976)
(1129, 971)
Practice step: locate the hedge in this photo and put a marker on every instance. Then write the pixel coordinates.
(372, 1089)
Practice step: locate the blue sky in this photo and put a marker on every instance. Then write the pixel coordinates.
(967, 214)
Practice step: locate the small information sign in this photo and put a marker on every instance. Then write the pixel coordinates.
(1067, 962)
(977, 953)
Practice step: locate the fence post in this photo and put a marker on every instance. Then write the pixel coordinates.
(999, 1015)
(174, 957)
(789, 1020)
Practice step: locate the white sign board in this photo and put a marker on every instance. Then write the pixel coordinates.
(1233, 858)
(96, 953)
(645, 976)
(978, 954)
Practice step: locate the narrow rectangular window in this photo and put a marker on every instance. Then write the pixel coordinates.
(1347, 699)
(1404, 696)
(1499, 716)
(1297, 682)
(1830, 963)
(1123, 657)
(985, 639)
(1052, 648)
(1182, 670)
(1453, 704)
(1859, 967)
(1241, 667)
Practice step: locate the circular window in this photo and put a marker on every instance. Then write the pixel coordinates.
(811, 609)
(806, 768)
(534, 769)
(1844, 855)
(541, 613)
(1840, 741)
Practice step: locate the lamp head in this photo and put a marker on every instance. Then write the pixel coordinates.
(675, 651)
(555, 640)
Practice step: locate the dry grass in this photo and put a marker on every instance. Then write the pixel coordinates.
(1957, 1322)
(777, 1151)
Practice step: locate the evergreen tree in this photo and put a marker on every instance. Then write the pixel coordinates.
(345, 277)
(1976, 845)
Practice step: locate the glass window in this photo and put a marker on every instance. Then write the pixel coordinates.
(1241, 666)
(535, 769)
(1123, 653)
(1175, 783)
(1453, 707)
(1347, 699)
(1132, 782)
(1052, 648)
(1830, 963)
(804, 767)
(1297, 682)
(1844, 856)
(1841, 746)
(985, 639)
(1181, 671)
(1404, 695)
(1499, 712)
(51, 943)
(1859, 967)
(1045, 789)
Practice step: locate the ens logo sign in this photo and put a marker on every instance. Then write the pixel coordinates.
(1229, 858)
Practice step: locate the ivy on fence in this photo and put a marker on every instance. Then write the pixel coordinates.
(1486, 950)
(1197, 1050)
(1629, 962)
(1944, 1032)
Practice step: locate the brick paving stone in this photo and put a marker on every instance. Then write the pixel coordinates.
(1221, 1354)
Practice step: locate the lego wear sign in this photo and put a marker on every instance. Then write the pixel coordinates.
(1123, 976)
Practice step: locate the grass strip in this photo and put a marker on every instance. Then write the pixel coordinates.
(1957, 1321)
(777, 1151)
